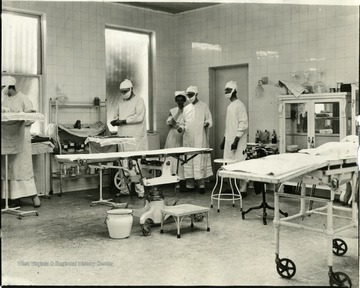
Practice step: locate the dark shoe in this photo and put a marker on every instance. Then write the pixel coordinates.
(243, 194)
(202, 190)
(186, 189)
(36, 201)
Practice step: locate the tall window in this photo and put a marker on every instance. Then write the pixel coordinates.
(127, 56)
(21, 54)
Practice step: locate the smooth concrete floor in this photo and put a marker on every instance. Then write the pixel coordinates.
(69, 244)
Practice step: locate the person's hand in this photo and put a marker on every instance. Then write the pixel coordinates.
(180, 130)
(222, 145)
(206, 124)
(117, 122)
(235, 143)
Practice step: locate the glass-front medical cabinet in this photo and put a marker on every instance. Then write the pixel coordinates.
(311, 120)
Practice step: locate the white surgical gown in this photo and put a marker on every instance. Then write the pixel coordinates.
(196, 135)
(134, 112)
(175, 139)
(236, 126)
(20, 166)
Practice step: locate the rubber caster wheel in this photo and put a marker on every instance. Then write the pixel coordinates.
(20, 217)
(146, 230)
(339, 279)
(339, 247)
(264, 222)
(198, 217)
(211, 206)
(285, 268)
(243, 215)
(286, 214)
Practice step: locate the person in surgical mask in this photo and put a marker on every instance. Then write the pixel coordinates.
(175, 138)
(195, 126)
(130, 118)
(20, 166)
(236, 125)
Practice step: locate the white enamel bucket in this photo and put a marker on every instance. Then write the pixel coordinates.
(119, 222)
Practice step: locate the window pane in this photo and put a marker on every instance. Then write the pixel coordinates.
(127, 56)
(20, 40)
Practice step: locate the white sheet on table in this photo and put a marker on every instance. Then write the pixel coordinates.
(111, 141)
(21, 116)
(334, 150)
(277, 164)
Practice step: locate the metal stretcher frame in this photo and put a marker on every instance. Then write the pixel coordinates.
(331, 173)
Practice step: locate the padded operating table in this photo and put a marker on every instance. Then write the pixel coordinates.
(331, 165)
(153, 169)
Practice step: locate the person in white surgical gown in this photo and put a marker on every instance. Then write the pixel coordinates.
(20, 166)
(236, 125)
(130, 118)
(196, 124)
(175, 138)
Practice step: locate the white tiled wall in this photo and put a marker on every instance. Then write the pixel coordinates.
(276, 40)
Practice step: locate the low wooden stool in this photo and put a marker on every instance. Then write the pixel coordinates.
(178, 212)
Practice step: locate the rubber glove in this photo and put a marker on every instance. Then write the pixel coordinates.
(222, 145)
(117, 122)
(235, 143)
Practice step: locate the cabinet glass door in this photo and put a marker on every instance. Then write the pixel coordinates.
(296, 126)
(327, 122)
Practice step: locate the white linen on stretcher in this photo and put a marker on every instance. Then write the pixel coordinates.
(280, 164)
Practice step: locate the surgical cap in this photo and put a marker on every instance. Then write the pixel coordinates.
(231, 84)
(126, 84)
(192, 89)
(8, 81)
(180, 93)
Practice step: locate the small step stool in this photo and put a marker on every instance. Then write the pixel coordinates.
(178, 212)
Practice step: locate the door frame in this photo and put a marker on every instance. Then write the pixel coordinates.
(212, 72)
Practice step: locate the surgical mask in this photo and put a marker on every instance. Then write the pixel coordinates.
(127, 95)
(192, 99)
(228, 95)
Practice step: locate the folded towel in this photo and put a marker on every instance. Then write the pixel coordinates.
(295, 88)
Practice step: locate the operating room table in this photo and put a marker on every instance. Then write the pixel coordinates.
(153, 169)
(329, 170)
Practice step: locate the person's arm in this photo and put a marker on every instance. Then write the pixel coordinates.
(170, 121)
(242, 119)
(27, 107)
(139, 115)
(208, 118)
(188, 114)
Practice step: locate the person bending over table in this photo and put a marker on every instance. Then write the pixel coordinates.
(20, 166)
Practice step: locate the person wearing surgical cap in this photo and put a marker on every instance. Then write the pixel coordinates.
(236, 125)
(174, 137)
(20, 167)
(195, 126)
(130, 118)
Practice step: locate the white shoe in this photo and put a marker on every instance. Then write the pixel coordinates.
(140, 195)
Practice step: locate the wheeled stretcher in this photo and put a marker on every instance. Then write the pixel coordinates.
(330, 166)
(154, 163)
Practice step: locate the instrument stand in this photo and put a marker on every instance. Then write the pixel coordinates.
(15, 210)
(106, 202)
(260, 188)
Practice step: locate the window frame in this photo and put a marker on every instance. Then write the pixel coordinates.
(151, 47)
(41, 59)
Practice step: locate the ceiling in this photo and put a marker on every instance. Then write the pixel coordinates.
(170, 7)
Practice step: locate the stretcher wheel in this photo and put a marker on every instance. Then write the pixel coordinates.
(198, 217)
(285, 268)
(146, 230)
(339, 247)
(339, 279)
(119, 179)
